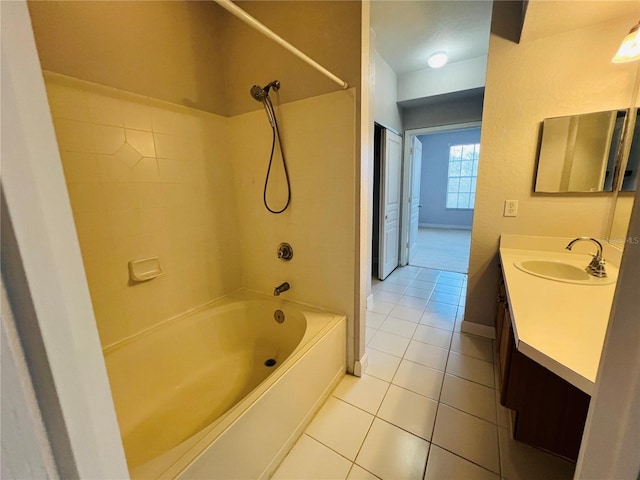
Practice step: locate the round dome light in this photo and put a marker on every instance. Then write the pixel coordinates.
(438, 59)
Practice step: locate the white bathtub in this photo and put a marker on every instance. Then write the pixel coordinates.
(195, 399)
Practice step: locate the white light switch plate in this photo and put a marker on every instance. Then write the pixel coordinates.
(511, 208)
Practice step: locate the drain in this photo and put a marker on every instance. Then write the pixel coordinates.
(270, 362)
(279, 316)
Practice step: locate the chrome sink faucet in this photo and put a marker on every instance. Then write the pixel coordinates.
(596, 267)
(281, 288)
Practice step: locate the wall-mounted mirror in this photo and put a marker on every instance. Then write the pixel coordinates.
(631, 166)
(578, 152)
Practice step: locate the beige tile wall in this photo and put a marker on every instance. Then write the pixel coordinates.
(146, 178)
(319, 142)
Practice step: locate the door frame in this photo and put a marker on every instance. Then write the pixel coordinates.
(405, 211)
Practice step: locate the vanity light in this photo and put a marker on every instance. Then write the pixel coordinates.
(629, 51)
(438, 59)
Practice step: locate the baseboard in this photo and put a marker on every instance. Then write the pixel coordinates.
(478, 329)
(443, 226)
(370, 301)
(361, 365)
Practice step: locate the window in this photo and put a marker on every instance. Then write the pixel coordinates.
(463, 171)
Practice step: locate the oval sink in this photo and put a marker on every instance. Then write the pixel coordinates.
(560, 271)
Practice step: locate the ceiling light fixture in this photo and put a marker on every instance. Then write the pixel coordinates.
(629, 51)
(438, 59)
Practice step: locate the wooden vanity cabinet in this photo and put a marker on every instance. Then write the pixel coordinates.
(550, 413)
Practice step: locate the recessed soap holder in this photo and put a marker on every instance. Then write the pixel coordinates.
(145, 269)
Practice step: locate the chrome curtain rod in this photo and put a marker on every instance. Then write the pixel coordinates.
(232, 8)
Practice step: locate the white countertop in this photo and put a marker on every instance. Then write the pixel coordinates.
(559, 325)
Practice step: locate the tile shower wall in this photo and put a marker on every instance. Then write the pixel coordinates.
(146, 178)
(318, 139)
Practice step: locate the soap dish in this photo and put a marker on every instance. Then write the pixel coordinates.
(145, 269)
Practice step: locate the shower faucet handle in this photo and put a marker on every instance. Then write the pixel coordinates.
(285, 252)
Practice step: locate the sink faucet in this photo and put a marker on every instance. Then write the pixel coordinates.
(596, 267)
(281, 288)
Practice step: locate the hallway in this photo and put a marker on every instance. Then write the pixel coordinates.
(426, 407)
(442, 249)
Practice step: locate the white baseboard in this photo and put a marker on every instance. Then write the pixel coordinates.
(369, 301)
(443, 226)
(478, 329)
(361, 365)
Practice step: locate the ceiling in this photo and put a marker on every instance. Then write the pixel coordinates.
(408, 32)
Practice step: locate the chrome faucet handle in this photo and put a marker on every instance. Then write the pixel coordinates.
(596, 266)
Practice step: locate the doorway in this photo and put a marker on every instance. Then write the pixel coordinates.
(444, 193)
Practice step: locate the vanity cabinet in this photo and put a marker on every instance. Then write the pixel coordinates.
(550, 413)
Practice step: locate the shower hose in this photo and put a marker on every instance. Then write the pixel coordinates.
(275, 133)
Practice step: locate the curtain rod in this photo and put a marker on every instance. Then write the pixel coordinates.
(229, 6)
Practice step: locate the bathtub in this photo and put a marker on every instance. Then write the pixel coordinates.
(225, 390)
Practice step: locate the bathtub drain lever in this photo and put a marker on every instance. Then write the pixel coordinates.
(281, 288)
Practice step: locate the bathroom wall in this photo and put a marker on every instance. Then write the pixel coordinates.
(319, 144)
(151, 48)
(384, 93)
(196, 54)
(146, 178)
(562, 74)
(434, 177)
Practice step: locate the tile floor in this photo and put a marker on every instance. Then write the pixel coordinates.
(442, 249)
(426, 407)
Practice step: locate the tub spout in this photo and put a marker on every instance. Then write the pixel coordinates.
(281, 288)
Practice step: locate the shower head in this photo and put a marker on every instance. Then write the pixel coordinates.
(259, 93)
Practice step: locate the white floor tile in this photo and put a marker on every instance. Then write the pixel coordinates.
(364, 392)
(436, 320)
(309, 459)
(473, 346)
(418, 378)
(359, 473)
(468, 437)
(456, 282)
(432, 336)
(413, 302)
(442, 309)
(471, 368)
(469, 397)
(399, 327)
(444, 298)
(409, 411)
(398, 280)
(382, 365)
(369, 333)
(425, 354)
(522, 462)
(428, 275)
(418, 292)
(387, 297)
(382, 308)
(392, 287)
(443, 465)
(406, 313)
(391, 453)
(422, 284)
(374, 320)
(340, 426)
(448, 289)
(389, 343)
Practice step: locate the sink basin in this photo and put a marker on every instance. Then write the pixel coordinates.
(561, 272)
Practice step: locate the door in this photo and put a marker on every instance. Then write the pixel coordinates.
(414, 196)
(391, 174)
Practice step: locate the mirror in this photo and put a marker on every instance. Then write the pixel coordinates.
(630, 176)
(578, 152)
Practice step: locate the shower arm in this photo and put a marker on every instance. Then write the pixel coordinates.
(229, 6)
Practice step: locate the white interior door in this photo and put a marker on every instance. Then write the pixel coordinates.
(390, 198)
(414, 198)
